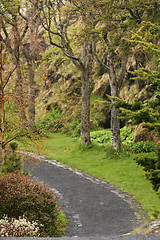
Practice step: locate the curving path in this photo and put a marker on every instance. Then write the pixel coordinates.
(95, 209)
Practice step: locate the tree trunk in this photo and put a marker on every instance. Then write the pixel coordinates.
(115, 129)
(87, 60)
(115, 121)
(31, 94)
(115, 84)
(85, 115)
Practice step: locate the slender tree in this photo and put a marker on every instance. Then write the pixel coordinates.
(30, 53)
(4, 79)
(57, 17)
(11, 22)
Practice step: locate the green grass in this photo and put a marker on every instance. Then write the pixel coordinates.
(117, 168)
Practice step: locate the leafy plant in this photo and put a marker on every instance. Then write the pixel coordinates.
(101, 136)
(12, 162)
(152, 168)
(142, 146)
(20, 196)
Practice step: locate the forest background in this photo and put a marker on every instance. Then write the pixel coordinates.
(78, 68)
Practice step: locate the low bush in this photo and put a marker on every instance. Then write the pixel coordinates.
(11, 227)
(19, 195)
(151, 166)
(143, 147)
(101, 137)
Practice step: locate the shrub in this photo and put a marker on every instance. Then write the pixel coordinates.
(101, 137)
(143, 147)
(127, 136)
(12, 162)
(20, 196)
(152, 168)
(11, 227)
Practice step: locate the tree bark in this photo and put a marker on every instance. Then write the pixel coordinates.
(115, 121)
(87, 59)
(31, 94)
(85, 115)
(115, 84)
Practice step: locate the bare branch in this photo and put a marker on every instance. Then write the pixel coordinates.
(24, 32)
(11, 72)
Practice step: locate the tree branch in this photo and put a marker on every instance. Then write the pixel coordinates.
(100, 63)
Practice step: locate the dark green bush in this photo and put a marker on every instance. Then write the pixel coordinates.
(139, 147)
(152, 168)
(19, 195)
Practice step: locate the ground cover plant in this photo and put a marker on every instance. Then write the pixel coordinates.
(20, 196)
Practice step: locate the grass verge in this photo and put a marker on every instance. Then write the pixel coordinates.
(117, 168)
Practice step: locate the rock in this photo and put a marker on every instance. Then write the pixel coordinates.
(155, 226)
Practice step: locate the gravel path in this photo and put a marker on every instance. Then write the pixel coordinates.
(95, 209)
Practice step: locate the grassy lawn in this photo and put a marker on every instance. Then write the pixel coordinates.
(118, 169)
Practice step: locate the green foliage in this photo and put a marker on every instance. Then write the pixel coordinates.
(12, 162)
(101, 136)
(74, 128)
(142, 146)
(152, 168)
(150, 76)
(50, 118)
(20, 196)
